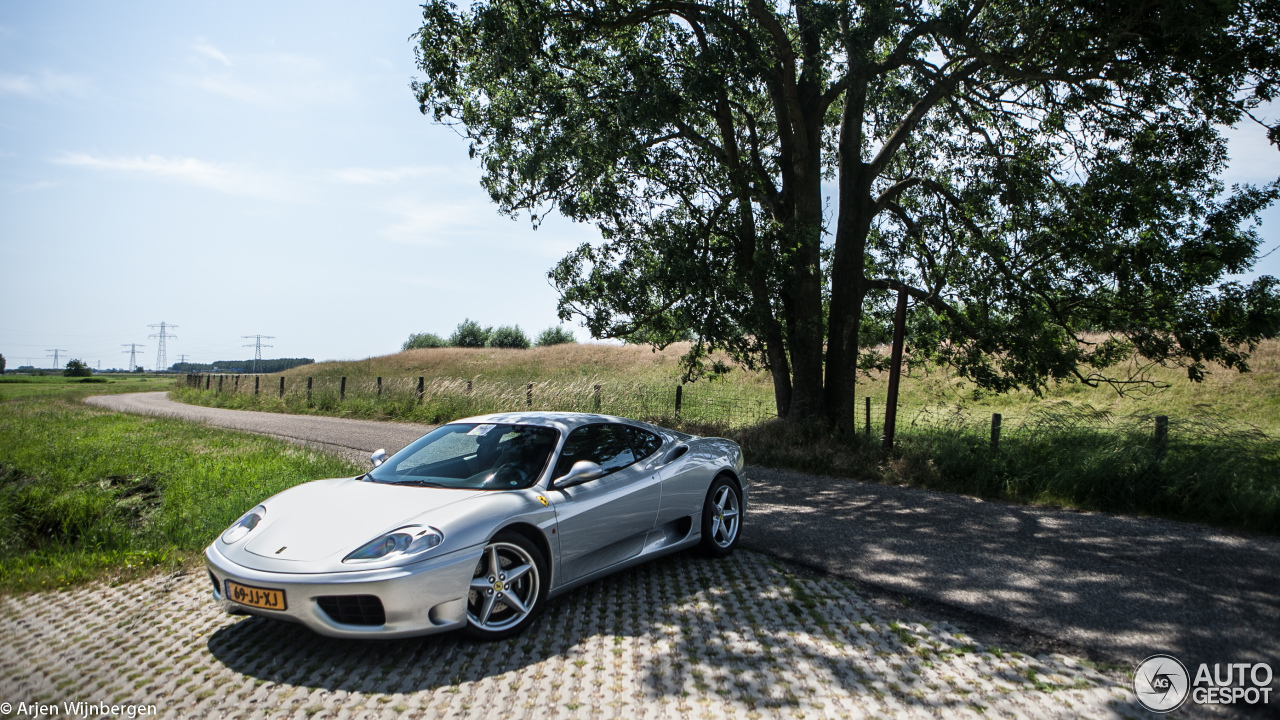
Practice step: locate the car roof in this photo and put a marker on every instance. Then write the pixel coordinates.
(564, 421)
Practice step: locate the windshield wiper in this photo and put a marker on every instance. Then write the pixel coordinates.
(419, 483)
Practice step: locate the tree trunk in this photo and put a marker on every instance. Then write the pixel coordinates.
(848, 263)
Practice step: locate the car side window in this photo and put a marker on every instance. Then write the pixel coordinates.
(607, 445)
(645, 442)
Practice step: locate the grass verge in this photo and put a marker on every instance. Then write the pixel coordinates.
(1063, 454)
(86, 493)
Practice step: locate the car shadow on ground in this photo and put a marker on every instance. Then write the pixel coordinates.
(743, 630)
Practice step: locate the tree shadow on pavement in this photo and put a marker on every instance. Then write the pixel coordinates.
(1126, 587)
(682, 633)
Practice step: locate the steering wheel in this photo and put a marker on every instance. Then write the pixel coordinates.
(509, 475)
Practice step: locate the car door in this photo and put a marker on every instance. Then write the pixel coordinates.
(603, 522)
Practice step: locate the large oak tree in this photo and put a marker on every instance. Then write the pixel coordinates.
(1040, 177)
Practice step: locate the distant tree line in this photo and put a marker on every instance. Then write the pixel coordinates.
(471, 334)
(241, 366)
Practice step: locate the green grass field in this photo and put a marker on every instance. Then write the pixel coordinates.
(86, 493)
(26, 386)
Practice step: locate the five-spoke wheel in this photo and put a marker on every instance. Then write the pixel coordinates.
(721, 517)
(507, 589)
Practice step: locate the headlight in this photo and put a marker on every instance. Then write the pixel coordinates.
(405, 541)
(244, 525)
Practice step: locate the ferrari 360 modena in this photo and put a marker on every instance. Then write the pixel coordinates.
(477, 524)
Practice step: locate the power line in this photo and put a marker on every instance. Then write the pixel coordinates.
(257, 348)
(133, 354)
(161, 360)
(55, 352)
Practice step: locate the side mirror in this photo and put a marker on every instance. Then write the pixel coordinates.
(582, 471)
(378, 457)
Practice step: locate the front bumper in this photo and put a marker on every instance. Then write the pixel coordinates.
(419, 599)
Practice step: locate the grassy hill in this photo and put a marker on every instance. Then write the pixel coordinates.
(1074, 445)
(1243, 399)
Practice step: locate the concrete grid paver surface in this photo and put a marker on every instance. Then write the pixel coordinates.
(681, 637)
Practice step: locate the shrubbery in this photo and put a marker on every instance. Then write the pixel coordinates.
(76, 368)
(471, 334)
(509, 336)
(555, 335)
(424, 340)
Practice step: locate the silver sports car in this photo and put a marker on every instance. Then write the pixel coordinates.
(477, 523)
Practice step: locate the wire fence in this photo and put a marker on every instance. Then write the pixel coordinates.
(716, 404)
(708, 403)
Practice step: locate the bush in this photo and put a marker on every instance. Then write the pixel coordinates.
(424, 340)
(509, 336)
(469, 334)
(75, 368)
(555, 335)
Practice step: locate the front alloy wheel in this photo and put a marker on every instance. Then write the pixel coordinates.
(721, 518)
(507, 589)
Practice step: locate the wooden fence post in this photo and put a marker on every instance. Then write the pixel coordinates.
(995, 432)
(528, 395)
(342, 389)
(679, 398)
(379, 386)
(256, 378)
(281, 387)
(420, 388)
(219, 383)
(597, 398)
(1162, 435)
(895, 371)
(207, 379)
(236, 389)
(309, 391)
(867, 427)
(468, 387)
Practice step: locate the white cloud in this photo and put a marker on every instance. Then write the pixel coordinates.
(202, 47)
(230, 179)
(383, 176)
(269, 80)
(477, 225)
(32, 187)
(427, 223)
(46, 84)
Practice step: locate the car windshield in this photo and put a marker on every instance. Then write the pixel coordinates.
(488, 456)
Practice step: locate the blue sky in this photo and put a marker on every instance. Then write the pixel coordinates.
(244, 168)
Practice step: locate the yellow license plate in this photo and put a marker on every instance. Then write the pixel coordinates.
(264, 598)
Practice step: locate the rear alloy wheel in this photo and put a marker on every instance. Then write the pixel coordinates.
(721, 518)
(508, 587)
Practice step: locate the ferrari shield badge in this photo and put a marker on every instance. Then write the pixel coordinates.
(542, 500)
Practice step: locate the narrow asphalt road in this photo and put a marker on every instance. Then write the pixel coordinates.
(1122, 587)
(354, 439)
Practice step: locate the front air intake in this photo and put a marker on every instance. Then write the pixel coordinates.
(353, 609)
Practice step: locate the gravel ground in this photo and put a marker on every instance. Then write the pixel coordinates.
(681, 637)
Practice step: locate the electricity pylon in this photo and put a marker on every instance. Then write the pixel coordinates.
(257, 348)
(55, 352)
(161, 360)
(133, 354)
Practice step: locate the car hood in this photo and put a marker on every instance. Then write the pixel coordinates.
(313, 521)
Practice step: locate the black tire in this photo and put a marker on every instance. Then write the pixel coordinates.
(489, 616)
(720, 529)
